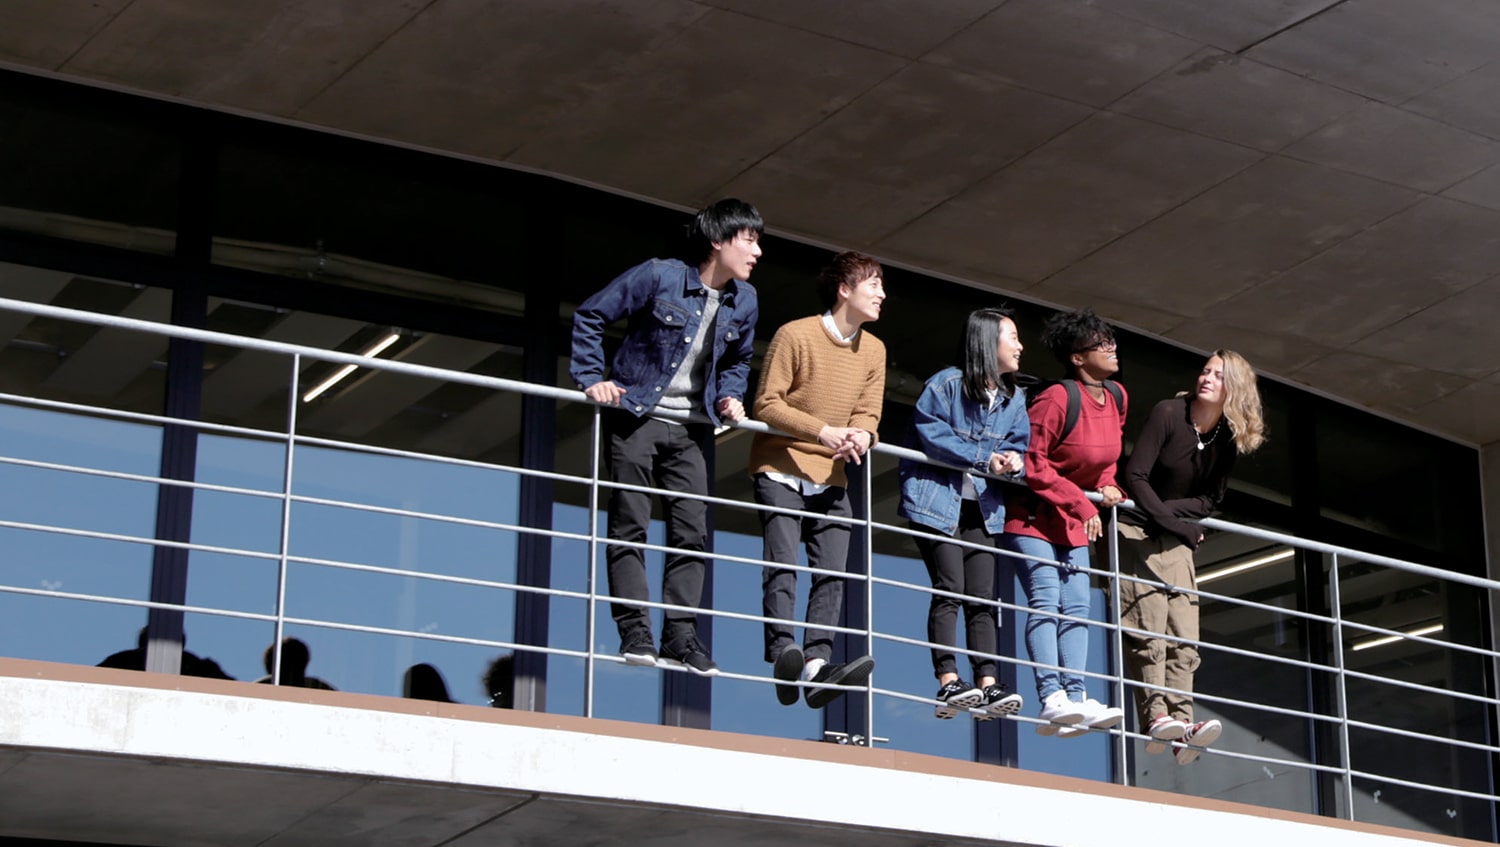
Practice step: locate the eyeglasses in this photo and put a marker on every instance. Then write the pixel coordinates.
(1105, 346)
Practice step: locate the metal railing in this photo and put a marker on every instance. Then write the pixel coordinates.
(1331, 674)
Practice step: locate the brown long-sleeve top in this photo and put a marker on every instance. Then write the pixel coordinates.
(811, 379)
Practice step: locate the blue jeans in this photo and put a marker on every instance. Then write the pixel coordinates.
(1054, 590)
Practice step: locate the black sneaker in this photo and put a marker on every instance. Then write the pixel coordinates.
(638, 648)
(999, 702)
(788, 669)
(856, 672)
(957, 696)
(688, 653)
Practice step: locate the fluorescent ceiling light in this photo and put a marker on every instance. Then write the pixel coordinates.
(369, 353)
(1392, 639)
(1249, 564)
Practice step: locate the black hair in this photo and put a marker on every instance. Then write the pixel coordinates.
(847, 268)
(981, 365)
(1066, 333)
(717, 224)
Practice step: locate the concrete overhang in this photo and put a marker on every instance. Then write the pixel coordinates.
(1311, 182)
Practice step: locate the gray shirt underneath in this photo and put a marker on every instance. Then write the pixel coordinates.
(685, 392)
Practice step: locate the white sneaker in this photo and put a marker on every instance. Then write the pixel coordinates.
(1199, 735)
(1164, 729)
(1101, 716)
(1057, 710)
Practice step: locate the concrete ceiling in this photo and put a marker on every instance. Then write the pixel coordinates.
(1311, 182)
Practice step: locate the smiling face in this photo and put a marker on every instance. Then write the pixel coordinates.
(1097, 361)
(863, 300)
(1010, 347)
(738, 255)
(1210, 385)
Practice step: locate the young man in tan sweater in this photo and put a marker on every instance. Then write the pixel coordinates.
(822, 383)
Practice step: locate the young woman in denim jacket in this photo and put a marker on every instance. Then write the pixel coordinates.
(972, 417)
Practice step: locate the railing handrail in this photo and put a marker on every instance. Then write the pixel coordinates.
(573, 395)
(592, 536)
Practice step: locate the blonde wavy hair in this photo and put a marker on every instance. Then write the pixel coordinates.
(1242, 402)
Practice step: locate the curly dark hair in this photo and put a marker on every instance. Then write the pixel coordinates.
(1066, 333)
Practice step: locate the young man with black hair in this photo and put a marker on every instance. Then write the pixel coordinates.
(681, 369)
(822, 383)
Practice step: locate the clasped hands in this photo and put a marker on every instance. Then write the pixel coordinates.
(847, 442)
(1008, 462)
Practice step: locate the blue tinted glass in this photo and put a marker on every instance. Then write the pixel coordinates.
(343, 538)
(45, 560)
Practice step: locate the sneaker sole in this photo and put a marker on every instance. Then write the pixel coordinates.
(1207, 736)
(644, 660)
(856, 672)
(1188, 752)
(1073, 731)
(947, 709)
(677, 665)
(1108, 720)
(788, 668)
(1002, 708)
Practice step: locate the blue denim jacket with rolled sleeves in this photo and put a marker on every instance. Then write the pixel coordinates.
(951, 428)
(663, 300)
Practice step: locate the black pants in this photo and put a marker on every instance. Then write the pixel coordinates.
(961, 570)
(654, 453)
(827, 548)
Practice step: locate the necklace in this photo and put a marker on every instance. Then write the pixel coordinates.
(1212, 434)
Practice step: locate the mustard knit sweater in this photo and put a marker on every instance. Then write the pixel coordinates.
(810, 379)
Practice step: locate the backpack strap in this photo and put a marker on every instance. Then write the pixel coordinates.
(1075, 404)
(1075, 407)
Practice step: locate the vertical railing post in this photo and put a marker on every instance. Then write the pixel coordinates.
(286, 517)
(848, 716)
(1341, 691)
(1117, 639)
(868, 528)
(596, 440)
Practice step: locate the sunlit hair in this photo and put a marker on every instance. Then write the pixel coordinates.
(717, 224)
(847, 268)
(1242, 402)
(1066, 333)
(981, 365)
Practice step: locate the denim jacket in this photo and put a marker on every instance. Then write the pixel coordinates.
(951, 428)
(663, 300)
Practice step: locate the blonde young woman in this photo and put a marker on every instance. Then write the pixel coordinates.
(1177, 475)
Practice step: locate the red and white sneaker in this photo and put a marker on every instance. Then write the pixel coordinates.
(1164, 729)
(1198, 736)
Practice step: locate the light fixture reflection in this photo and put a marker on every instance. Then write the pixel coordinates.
(1392, 639)
(369, 353)
(1249, 564)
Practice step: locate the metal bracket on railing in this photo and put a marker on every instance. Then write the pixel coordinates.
(856, 739)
